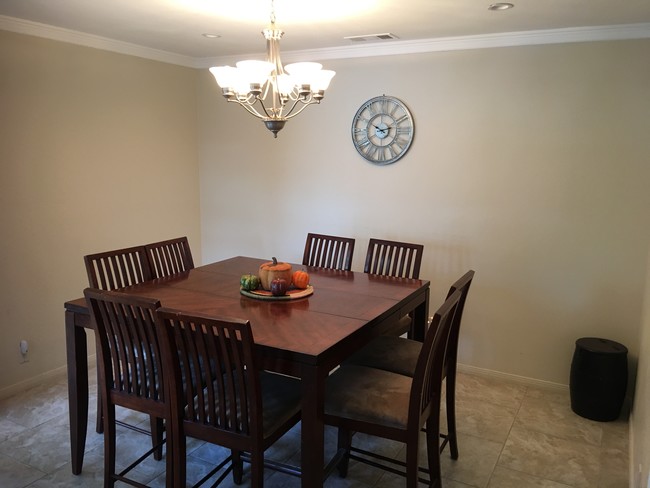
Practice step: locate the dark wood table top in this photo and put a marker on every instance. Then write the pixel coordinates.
(304, 329)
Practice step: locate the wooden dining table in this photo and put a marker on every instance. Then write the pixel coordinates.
(305, 337)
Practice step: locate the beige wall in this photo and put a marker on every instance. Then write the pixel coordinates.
(97, 151)
(529, 165)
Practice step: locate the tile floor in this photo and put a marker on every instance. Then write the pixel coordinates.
(509, 436)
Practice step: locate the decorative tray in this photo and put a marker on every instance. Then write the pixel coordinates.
(292, 294)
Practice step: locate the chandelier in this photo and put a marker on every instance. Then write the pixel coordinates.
(270, 91)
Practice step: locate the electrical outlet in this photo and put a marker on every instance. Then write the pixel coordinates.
(24, 349)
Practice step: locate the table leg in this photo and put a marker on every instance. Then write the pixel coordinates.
(313, 430)
(420, 318)
(77, 358)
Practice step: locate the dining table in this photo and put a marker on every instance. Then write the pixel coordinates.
(305, 337)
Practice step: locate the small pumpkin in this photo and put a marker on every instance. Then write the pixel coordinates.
(300, 279)
(249, 282)
(273, 270)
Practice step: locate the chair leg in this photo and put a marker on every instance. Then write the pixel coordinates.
(257, 468)
(433, 453)
(157, 429)
(344, 442)
(109, 446)
(169, 463)
(412, 464)
(99, 425)
(237, 467)
(451, 416)
(178, 453)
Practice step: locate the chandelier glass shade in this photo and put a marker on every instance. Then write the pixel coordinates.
(270, 91)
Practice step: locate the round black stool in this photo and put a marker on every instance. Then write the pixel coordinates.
(598, 378)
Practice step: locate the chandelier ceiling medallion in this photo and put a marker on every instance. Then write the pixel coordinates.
(270, 91)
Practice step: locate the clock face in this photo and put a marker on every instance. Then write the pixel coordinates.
(382, 130)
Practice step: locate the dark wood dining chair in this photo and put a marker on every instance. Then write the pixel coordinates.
(111, 270)
(400, 355)
(219, 393)
(130, 368)
(397, 259)
(393, 258)
(169, 257)
(324, 251)
(394, 406)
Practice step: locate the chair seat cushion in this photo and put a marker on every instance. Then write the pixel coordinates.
(402, 326)
(281, 397)
(390, 353)
(368, 394)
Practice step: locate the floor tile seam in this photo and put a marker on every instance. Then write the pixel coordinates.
(503, 444)
(53, 469)
(17, 423)
(576, 445)
(18, 461)
(531, 475)
(523, 425)
(539, 431)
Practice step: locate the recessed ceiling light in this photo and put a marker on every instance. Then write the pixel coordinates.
(211, 36)
(501, 6)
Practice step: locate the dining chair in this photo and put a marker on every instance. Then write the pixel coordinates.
(219, 394)
(400, 355)
(130, 369)
(397, 259)
(393, 258)
(393, 406)
(111, 270)
(325, 251)
(169, 257)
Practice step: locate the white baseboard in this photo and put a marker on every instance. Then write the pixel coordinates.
(58, 374)
(522, 380)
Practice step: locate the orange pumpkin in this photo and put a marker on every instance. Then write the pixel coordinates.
(300, 279)
(273, 270)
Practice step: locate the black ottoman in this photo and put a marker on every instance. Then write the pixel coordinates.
(598, 378)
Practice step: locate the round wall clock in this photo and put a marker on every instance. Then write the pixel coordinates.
(382, 130)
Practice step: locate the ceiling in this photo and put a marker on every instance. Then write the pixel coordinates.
(177, 26)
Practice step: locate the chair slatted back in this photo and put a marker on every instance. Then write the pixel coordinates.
(215, 377)
(130, 359)
(427, 381)
(117, 269)
(393, 258)
(462, 284)
(331, 252)
(169, 257)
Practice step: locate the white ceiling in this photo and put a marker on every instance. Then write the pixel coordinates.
(175, 27)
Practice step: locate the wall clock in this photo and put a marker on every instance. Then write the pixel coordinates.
(382, 130)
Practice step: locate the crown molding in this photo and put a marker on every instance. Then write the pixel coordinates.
(507, 39)
(373, 49)
(83, 39)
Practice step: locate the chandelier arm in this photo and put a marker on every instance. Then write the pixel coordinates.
(305, 105)
(266, 112)
(250, 109)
